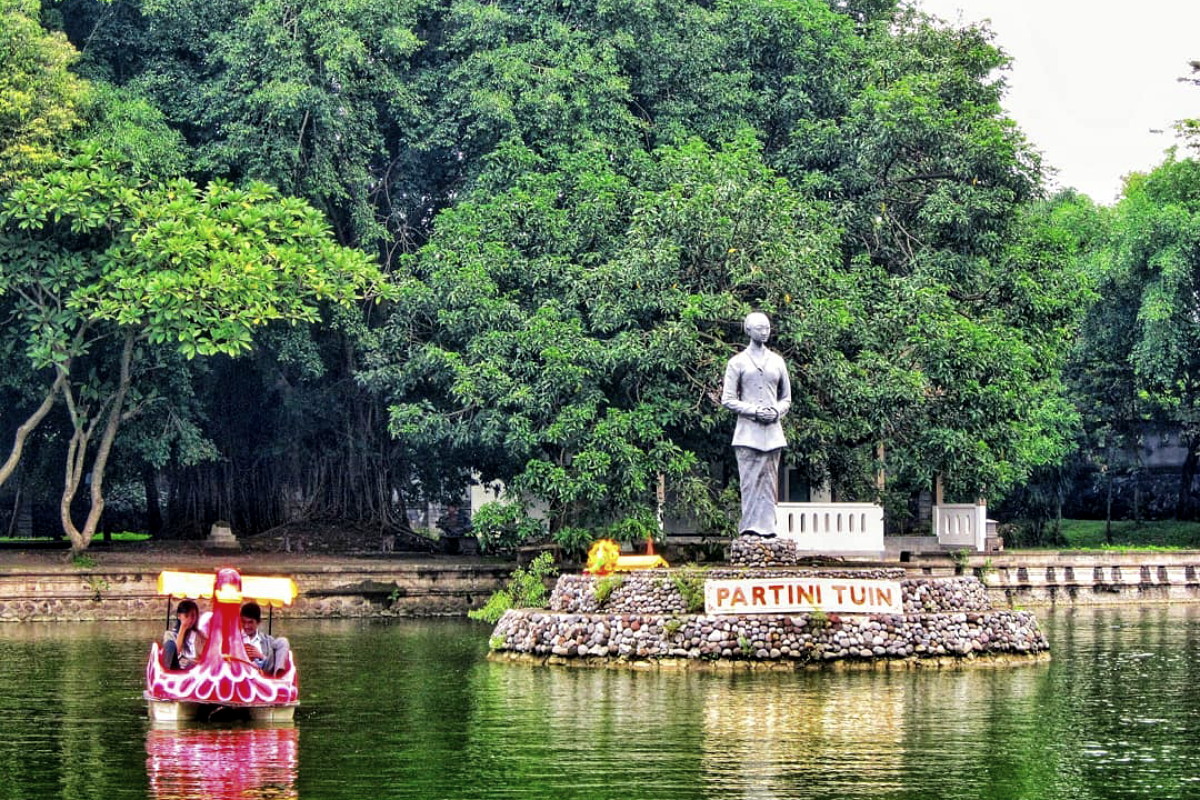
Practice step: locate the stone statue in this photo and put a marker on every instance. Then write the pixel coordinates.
(758, 389)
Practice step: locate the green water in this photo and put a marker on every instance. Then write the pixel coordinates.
(414, 710)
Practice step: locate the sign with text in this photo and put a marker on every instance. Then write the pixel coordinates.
(791, 595)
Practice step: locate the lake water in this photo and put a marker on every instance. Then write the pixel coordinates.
(413, 709)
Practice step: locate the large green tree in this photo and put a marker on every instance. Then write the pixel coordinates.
(583, 199)
(1141, 341)
(923, 312)
(100, 268)
(562, 335)
(40, 107)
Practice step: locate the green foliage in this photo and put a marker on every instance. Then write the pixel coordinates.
(604, 587)
(672, 626)
(574, 542)
(985, 569)
(128, 536)
(102, 269)
(580, 202)
(40, 98)
(1137, 362)
(1082, 534)
(502, 527)
(135, 131)
(491, 611)
(689, 582)
(95, 584)
(528, 586)
(634, 530)
(567, 319)
(526, 589)
(961, 557)
(198, 269)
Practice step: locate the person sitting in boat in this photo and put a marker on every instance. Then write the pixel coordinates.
(184, 642)
(268, 653)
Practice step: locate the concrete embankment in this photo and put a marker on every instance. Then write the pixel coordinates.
(121, 586)
(123, 589)
(1023, 578)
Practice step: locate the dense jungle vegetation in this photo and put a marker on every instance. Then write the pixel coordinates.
(268, 261)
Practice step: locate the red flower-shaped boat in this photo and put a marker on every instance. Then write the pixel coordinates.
(223, 683)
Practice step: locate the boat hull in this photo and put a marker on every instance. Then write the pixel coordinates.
(172, 711)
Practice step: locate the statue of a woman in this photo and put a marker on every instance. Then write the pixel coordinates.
(758, 389)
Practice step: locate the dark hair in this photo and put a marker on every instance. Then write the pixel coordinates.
(185, 606)
(252, 611)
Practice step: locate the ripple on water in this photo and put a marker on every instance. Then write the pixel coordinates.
(413, 710)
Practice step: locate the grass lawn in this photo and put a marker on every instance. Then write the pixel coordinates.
(123, 536)
(1088, 534)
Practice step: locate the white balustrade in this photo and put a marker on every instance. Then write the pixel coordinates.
(961, 524)
(831, 527)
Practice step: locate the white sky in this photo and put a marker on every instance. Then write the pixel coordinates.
(1092, 79)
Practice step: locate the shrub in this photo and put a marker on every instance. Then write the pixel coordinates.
(604, 587)
(503, 527)
(574, 541)
(689, 581)
(526, 589)
(633, 529)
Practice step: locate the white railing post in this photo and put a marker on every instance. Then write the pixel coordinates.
(831, 527)
(961, 525)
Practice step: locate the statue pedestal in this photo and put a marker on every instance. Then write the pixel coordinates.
(220, 537)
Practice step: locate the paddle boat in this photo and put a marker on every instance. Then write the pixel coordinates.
(224, 683)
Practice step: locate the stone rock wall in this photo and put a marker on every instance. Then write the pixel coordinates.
(653, 615)
(662, 591)
(755, 551)
(801, 638)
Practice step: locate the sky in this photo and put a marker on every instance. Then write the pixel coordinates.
(1094, 84)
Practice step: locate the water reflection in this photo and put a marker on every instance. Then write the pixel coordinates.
(222, 764)
(412, 709)
(752, 734)
(852, 734)
(765, 735)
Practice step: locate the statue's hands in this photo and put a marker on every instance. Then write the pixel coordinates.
(766, 415)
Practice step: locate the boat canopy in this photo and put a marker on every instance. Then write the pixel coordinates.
(264, 590)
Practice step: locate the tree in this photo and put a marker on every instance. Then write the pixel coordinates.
(929, 328)
(582, 200)
(566, 327)
(1189, 129)
(100, 268)
(40, 98)
(1142, 337)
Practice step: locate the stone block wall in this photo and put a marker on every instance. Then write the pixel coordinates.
(662, 591)
(370, 589)
(800, 639)
(654, 615)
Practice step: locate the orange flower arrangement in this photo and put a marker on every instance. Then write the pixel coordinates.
(602, 557)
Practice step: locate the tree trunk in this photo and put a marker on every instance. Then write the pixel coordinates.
(1187, 474)
(81, 538)
(154, 517)
(35, 419)
(1108, 501)
(1137, 494)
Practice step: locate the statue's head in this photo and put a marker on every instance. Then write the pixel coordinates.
(757, 325)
